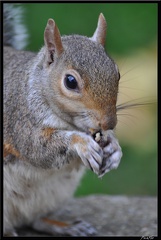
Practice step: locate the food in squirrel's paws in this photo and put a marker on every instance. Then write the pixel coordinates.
(99, 138)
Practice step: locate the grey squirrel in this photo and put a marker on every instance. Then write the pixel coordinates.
(59, 118)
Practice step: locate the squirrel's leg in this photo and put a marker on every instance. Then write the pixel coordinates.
(51, 148)
(10, 233)
(56, 228)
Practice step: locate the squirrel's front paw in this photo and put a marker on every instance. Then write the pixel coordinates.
(89, 151)
(112, 152)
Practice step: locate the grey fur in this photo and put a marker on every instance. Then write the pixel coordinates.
(15, 32)
(46, 126)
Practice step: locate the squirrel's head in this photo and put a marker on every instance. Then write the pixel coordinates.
(83, 79)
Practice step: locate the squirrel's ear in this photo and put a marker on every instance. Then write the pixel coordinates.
(100, 33)
(52, 40)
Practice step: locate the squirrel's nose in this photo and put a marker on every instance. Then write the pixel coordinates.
(108, 123)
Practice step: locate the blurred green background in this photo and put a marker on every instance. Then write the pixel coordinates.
(132, 42)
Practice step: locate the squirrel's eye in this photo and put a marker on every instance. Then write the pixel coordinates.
(70, 82)
(119, 76)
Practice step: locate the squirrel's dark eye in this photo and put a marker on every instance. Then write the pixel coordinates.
(119, 76)
(70, 82)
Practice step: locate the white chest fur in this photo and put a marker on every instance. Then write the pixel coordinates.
(31, 192)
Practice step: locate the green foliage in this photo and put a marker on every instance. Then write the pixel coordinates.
(130, 25)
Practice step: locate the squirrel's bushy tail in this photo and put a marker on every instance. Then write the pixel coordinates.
(14, 31)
